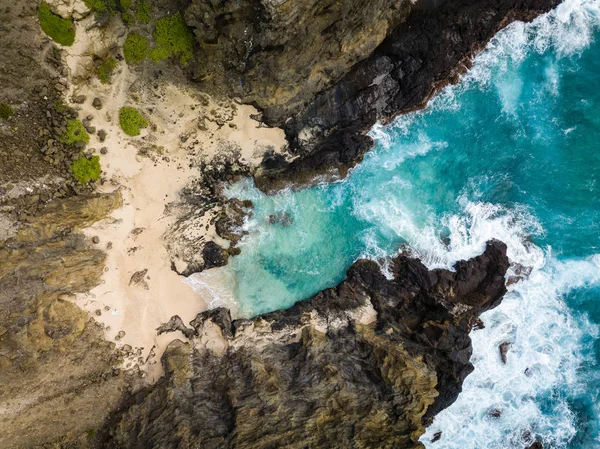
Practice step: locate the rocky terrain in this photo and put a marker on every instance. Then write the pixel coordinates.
(365, 364)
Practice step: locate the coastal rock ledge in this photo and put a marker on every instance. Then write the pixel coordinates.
(366, 364)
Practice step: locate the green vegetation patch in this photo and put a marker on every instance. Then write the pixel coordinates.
(131, 121)
(6, 111)
(75, 133)
(143, 11)
(101, 6)
(105, 70)
(127, 18)
(86, 170)
(135, 48)
(173, 38)
(62, 31)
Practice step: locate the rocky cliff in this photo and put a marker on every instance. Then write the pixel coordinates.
(277, 54)
(361, 365)
(56, 369)
(326, 122)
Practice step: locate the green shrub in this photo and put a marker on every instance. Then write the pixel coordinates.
(173, 38)
(131, 121)
(86, 170)
(127, 18)
(60, 30)
(75, 133)
(143, 11)
(6, 111)
(126, 4)
(135, 48)
(101, 6)
(105, 70)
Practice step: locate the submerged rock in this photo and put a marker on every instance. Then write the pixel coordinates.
(363, 364)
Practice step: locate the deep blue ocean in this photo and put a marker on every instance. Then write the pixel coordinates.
(512, 152)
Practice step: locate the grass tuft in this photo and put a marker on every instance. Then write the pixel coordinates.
(62, 31)
(105, 70)
(143, 11)
(6, 111)
(86, 170)
(131, 121)
(135, 48)
(75, 133)
(173, 38)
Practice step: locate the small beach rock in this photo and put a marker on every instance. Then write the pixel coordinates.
(138, 278)
(98, 312)
(103, 150)
(79, 99)
(97, 103)
(102, 136)
(96, 239)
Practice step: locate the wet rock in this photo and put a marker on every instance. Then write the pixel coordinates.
(436, 436)
(97, 103)
(281, 218)
(504, 348)
(536, 445)
(495, 413)
(214, 255)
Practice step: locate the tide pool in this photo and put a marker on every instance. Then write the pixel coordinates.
(512, 152)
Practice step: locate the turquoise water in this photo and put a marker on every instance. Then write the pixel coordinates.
(513, 152)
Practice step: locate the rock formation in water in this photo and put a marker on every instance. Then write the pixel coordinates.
(364, 364)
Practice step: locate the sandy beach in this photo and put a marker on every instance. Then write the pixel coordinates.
(139, 290)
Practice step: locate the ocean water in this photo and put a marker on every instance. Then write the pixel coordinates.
(512, 152)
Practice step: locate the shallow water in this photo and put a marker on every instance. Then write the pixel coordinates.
(513, 152)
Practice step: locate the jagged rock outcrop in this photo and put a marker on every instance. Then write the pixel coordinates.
(431, 48)
(361, 365)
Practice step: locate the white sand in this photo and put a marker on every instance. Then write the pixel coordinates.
(148, 184)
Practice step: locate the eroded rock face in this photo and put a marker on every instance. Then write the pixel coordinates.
(430, 49)
(363, 365)
(54, 362)
(278, 54)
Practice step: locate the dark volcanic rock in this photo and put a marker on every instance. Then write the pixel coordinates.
(361, 365)
(429, 50)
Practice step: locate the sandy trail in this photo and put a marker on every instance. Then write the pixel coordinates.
(133, 235)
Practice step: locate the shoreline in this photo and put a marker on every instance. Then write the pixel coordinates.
(139, 290)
